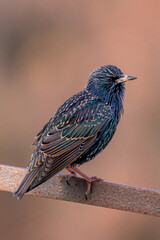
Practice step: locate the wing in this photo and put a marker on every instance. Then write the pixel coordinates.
(76, 128)
(73, 133)
(68, 135)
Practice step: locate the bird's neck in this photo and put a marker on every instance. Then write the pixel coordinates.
(114, 98)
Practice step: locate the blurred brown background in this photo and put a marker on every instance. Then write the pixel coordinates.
(47, 50)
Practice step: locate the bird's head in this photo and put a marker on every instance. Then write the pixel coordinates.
(106, 80)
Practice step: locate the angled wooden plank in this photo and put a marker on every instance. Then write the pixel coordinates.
(104, 194)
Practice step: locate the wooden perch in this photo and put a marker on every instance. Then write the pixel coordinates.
(104, 194)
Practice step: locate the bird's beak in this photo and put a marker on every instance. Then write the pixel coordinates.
(125, 78)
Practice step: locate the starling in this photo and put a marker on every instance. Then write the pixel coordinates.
(81, 128)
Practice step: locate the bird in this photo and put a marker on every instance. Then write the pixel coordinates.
(80, 129)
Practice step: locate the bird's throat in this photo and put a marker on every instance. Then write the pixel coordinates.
(114, 98)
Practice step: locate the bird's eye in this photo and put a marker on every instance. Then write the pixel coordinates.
(114, 78)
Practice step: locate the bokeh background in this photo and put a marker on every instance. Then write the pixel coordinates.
(47, 51)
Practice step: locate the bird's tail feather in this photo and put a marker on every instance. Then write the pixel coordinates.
(25, 184)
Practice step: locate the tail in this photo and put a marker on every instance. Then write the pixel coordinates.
(25, 184)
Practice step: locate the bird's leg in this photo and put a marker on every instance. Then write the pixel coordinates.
(90, 180)
(72, 174)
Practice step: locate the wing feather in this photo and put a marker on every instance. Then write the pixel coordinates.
(54, 165)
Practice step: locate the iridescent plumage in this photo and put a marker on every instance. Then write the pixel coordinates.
(80, 129)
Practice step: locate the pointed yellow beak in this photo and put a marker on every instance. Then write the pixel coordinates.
(125, 78)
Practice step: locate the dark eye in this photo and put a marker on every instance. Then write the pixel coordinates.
(114, 78)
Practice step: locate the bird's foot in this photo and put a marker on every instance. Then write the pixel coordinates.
(90, 180)
(72, 174)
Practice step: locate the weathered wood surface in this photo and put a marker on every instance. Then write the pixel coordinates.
(104, 194)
